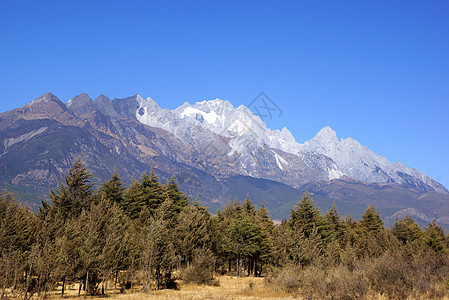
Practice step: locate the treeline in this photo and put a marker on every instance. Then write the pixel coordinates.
(150, 235)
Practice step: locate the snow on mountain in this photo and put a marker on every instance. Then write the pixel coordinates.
(244, 134)
(360, 163)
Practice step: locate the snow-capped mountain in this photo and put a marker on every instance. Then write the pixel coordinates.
(215, 151)
(239, 137)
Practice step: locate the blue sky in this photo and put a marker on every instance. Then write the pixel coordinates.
(377, 71)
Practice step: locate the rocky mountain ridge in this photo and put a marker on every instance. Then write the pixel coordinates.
(212, 148)
(245, 137)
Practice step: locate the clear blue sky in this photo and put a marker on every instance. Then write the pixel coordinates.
(377, 71)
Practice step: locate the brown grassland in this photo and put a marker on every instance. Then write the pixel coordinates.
(230, 287)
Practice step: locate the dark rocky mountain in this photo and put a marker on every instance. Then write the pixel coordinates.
(215, 152)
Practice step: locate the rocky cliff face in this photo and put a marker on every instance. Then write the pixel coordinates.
(203, 145)
(226, 136)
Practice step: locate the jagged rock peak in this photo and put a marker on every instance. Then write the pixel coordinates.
(81, 99)
(46, 98)
(102, 99)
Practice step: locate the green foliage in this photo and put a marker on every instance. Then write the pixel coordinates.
(194, 230)
(113, 190)
(75, 194)
(144, 193)
(407, 230)
(306, 216)
(335, 228)
(371, 221)
(179, 199)
(143, 235)
(17, 239)
(242, 238)
(434, 238)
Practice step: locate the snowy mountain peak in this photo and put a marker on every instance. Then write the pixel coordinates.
(243, 136)
(327, 135)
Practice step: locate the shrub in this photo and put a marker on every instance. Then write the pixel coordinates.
(286, 280)
(316, 283)
(201, 271)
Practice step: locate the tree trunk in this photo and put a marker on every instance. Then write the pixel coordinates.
(148, 280)
(15, 280)
(63, 287)
(28, 281)
(86, 286)
(158, 277)
(102, 286)
(238, 265)
(79, 288)
(38, 286)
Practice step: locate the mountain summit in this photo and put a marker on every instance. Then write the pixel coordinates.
(216, 151)
(255, 150)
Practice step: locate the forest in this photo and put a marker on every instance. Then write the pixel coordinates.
(151, 236)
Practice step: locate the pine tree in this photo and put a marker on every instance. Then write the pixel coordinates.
(241, 239)
(113, 189)
(75, 194)
(179, 199)
(248, 207)
(89, 236)
(116, 241)
(193, 231)
(306, 216)
(371, 220)
(335, 227)
(434, 238)
(264, 219)
(372, 238)
(18, 227)
(156, 245)
(406, 230)
(147, 192)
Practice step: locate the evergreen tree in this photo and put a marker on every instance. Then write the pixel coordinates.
(406, 230)
(371, 220)
(147, 192)
(305, 216)
(372, 238)
(75, 194)
(241, 239)
(113, 189)
(283, 242)
(248, 207)
(335, 227)
(193, 231)
(179, 199)
(434, 238)
(156, 245)
(263, 218)
(17, 236)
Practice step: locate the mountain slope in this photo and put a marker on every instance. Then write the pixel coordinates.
(215, 151)
(238, 137)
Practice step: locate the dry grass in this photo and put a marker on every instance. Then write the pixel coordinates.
(230, 287)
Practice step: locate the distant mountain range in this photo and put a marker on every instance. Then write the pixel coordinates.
(214, 150)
